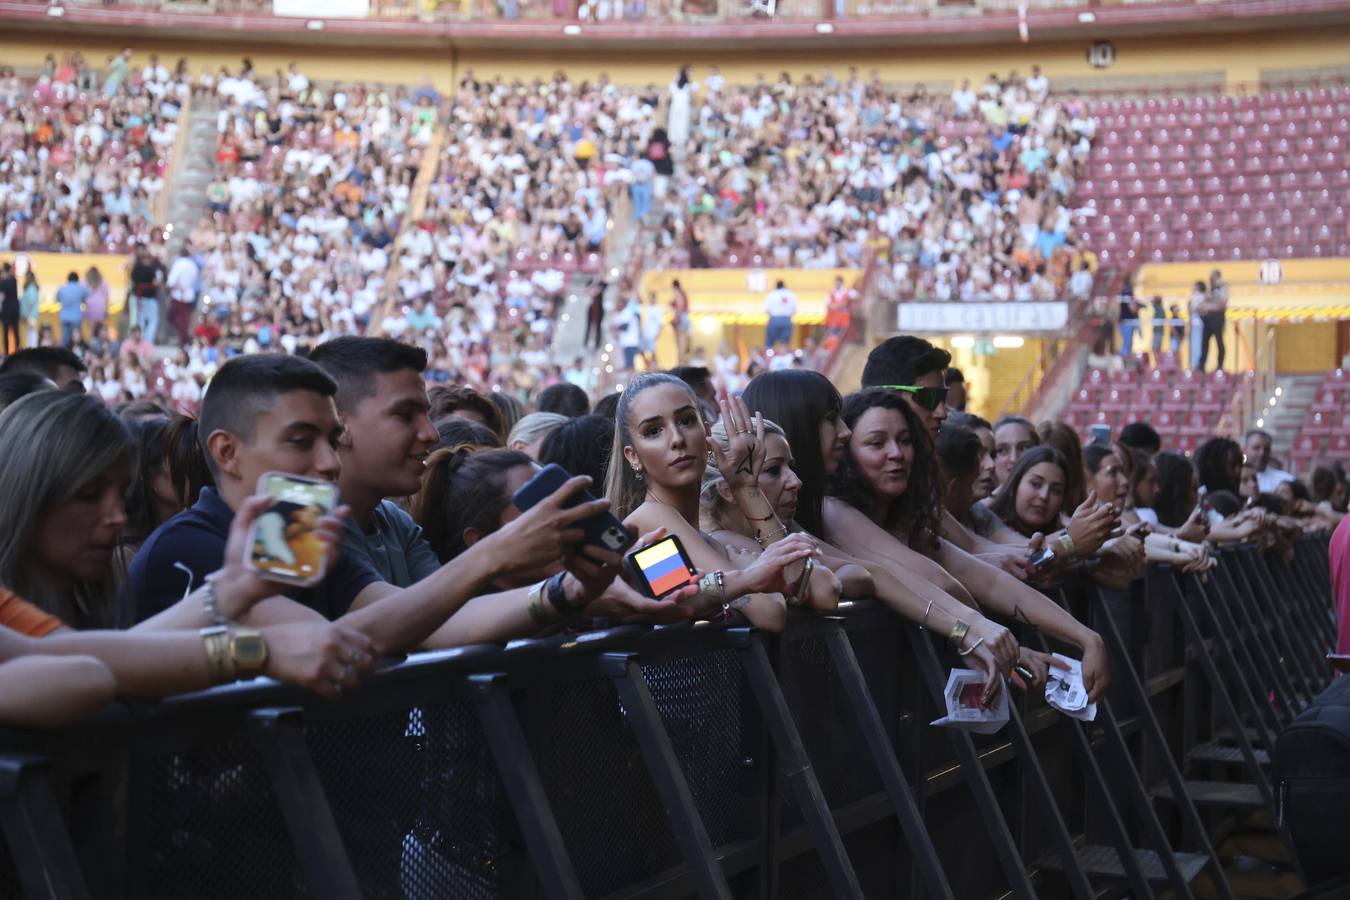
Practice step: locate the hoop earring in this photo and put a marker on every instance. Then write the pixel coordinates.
(637, 473)
(712, 460)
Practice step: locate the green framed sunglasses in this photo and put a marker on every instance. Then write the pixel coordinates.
(930, 398)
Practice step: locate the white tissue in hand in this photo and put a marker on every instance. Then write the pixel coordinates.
(964, 689)
(1065, 692)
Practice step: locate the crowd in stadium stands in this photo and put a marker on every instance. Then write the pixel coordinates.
(790, 494)
(83, 151)
(964, 196)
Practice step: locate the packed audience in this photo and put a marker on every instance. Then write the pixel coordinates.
(136, 519)
(966, 196)
(83, 151)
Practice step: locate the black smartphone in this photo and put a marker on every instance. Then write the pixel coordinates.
(1040, 558)
(604, 529)
(662, 567)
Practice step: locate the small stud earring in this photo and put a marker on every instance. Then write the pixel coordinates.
(637, 473)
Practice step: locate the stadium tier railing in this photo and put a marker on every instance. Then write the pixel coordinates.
(619, 12)
(695, 759)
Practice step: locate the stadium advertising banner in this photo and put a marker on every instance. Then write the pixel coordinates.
(941, 318)
(322, 9)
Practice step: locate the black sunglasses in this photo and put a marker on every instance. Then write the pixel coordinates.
(930, 398)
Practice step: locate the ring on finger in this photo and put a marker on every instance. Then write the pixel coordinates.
(353, 656)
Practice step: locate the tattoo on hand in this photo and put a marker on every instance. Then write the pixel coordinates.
(746, 467)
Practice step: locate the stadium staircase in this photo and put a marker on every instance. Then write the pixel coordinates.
(412, 218)
(193, 169)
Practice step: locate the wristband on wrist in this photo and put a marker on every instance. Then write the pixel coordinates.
(958, 634)
(557, 596)
(536, 607)
(1066, 542)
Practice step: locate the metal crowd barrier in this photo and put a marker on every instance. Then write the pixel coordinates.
(693, 760)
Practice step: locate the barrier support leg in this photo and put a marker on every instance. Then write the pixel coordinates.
(883, 754)
(995, 825)
(36, 833)
(664, 767)
(796, 765)
(524, 788)
(304, 805)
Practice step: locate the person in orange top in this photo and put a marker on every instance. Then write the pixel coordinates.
(838, 309)
(19, 615)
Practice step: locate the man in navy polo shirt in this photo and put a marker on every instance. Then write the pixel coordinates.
(272, 412)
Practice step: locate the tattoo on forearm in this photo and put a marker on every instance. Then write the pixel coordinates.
(1019, 616)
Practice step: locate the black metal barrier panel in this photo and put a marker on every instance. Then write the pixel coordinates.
(693, 760)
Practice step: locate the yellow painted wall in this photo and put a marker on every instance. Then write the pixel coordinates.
(991, 380)
(1242, 57)
(1306, 347)
(52, 268)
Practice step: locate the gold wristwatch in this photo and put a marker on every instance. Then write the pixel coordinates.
(248, 649)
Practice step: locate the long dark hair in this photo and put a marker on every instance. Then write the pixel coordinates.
(581, 446)
(798, 400)
(917, 514)
(1211, 464)
(1175, 493)
(463, 488)
(1005, 501)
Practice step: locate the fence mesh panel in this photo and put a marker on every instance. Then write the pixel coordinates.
(210, 827)
(607, 809)
(418, 800)
(703, 704)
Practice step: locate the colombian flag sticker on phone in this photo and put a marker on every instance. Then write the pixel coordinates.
(663, 566)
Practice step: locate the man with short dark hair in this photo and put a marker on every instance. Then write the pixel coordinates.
(565, 399)
(60, 365)
(700, 381)
(273, 412)
(917, 370)
(956, 389)
(1256, 445)
(71, 296)
(1141, 436)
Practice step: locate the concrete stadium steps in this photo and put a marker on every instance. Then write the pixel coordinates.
(196, 169)
(1286, 418)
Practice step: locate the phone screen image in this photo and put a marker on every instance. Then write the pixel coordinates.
(284, 542)
(663, 565)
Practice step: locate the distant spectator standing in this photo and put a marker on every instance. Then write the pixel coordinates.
(96, 306)
(30, 307)
(1214, 318)
(146, 275)
(1037, 85)
(182, 286)
(595, 316)
(781, 305)
(681, 98)
(9, 311)
(679, 308)
(629, 324)
(1129, 318)
(1080, 283)
(1196, 311)
(1159, 324)
(838, 310)
(71, 296)
(1178, 326)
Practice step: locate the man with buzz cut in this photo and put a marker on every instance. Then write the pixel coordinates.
(275, 413)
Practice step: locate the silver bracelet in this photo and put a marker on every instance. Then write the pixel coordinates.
(209, 600)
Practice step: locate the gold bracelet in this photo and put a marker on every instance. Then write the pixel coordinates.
(712, 590)
(765, 540)
(536, 605)
(959, 632)
(219, 661)
(799, 598)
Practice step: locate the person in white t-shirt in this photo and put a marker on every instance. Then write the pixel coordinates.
(653, 320)
(964, 100)
(1038, 86)
(1257, 448)
(781, 305)
(629, 323)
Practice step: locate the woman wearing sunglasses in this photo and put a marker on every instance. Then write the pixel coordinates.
(885, 504)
